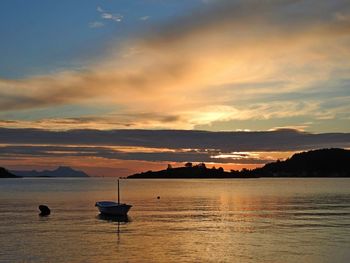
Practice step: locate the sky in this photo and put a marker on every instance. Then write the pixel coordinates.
(219, 70)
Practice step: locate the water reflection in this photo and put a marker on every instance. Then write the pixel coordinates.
(195, 221)
(118, 219)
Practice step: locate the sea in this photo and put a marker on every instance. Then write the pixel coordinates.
(234, 220)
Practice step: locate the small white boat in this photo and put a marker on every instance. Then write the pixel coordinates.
(113, 208)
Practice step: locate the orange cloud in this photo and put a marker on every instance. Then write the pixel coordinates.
(173, 68)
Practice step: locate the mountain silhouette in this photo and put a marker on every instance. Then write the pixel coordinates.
(61, 171)
(6, 174)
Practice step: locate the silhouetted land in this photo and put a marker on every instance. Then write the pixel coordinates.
(189, 171)
(62, 171)
(6, 174)
(316, 163)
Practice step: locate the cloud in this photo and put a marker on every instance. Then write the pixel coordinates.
(109, 16)
(155, 120)
(114, 17)
(223, 47)
(159, 146)
(32, 151)
(226, 142)
(144, 18)
(100, 9)
(96, 24)
(342, 16)
(108, 121)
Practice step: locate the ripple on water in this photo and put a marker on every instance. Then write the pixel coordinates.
(194, 221)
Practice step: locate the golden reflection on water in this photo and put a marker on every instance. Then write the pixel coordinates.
(256, 220)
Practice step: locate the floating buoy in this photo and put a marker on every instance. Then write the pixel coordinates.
(44, 210)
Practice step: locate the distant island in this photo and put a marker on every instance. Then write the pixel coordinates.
(191, 171)
(62, 171)
(316, 163)
(6, 174)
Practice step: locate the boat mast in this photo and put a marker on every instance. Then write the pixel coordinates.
(118, 193)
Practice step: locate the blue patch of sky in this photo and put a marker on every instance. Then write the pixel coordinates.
(41, 36)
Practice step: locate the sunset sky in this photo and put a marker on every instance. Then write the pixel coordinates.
(114, 87)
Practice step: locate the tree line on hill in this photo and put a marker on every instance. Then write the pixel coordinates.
(316, 163)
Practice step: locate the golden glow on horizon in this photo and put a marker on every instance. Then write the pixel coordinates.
(97, 166)
(93, 159)
(236, 65)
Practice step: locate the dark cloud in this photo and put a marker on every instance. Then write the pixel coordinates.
(263, 18)
(279, 140)
(19, 151)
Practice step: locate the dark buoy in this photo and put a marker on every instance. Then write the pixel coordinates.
(158, 197)
(44, 210)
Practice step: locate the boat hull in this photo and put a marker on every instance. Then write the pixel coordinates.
(112, 208)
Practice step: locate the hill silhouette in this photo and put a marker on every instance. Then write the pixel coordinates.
(190, 171)
(316, 163)
(62, 171)
(6, 174)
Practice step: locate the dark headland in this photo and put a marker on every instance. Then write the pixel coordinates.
(6, 174)
(316, 163)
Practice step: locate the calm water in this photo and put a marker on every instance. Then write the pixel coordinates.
(257, 220)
